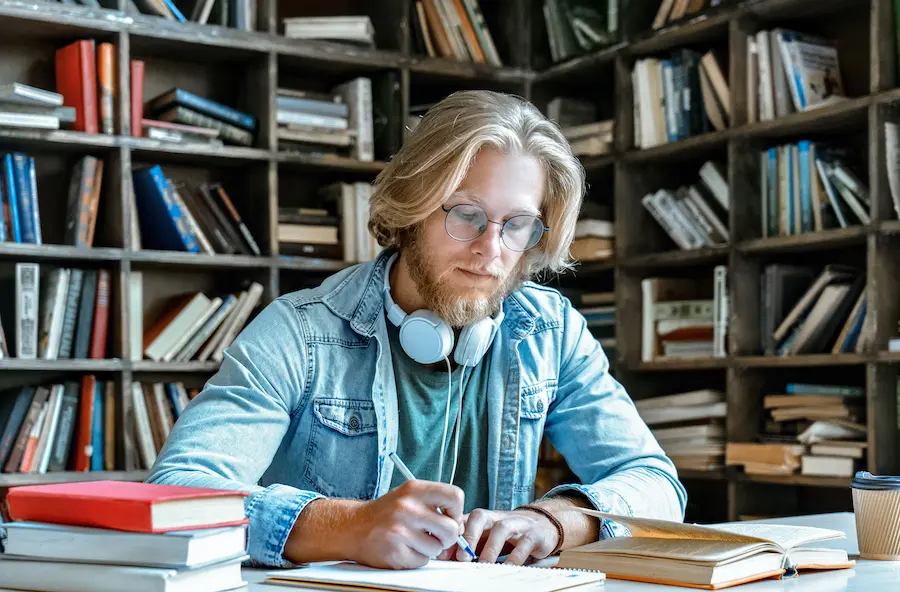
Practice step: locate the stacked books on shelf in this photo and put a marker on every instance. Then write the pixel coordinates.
(672, 11)
(338, 122)
(179, 217)
(195, 326)
(808, 187)
(682, 96)
(240, 14)
(62, 315)
(200, 119)
(29, 107)
(575, 28)
(684, 318)
(577, 118)
(788, 71)
(130, 536)
(694, 216)
(343, 234)
(594, 238)
(689, 427)
(811, 429)
(66, 426)
(803, 311)
(453, 29)
(355, 29)
(86, 79)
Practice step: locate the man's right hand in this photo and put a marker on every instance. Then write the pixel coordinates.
(403, 530)
(399, 530)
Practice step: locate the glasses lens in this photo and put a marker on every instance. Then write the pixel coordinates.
(520, 233)
(466, 222)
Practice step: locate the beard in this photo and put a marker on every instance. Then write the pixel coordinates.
(459, 306)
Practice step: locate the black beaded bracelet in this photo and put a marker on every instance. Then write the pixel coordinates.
(551, 518)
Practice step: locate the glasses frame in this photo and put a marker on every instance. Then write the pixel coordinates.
(501, 224)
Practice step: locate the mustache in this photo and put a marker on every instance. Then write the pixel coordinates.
(492, 269)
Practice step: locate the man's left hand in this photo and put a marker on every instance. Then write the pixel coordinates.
(520, 534)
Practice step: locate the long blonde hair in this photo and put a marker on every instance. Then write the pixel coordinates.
(435, 159)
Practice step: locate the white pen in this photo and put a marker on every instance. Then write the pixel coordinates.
(410, 477)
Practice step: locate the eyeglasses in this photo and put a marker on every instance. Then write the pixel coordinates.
(466, 222)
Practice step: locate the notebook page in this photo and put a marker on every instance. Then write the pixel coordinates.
(439, 576)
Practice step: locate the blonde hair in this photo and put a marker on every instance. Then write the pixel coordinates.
(436, 157)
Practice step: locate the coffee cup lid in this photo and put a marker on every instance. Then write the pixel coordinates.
(866, 480)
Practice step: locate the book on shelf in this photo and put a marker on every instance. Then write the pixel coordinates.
(791, 72)
(594, 237)
(677, 97)
(24, 106)
(454, 29)
(183, 107)
(684, 318)
(672, 11)
(706, 557)
(574, 28)
(339, 232)
(578, 122)
(892, 154)
(240, 14)
(693, 216)
(688, 426)
(356, 29)
(135, 536)
(87, 81)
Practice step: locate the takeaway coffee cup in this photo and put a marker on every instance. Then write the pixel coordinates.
(876, 503)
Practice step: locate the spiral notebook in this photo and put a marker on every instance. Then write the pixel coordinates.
(437, 576)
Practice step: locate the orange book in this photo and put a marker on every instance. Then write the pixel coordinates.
(469, 32)
(106, 64)
(76, 81)
(706, 557)
(85, 428)
(32, 441)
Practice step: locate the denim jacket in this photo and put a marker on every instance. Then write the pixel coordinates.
(304, 406)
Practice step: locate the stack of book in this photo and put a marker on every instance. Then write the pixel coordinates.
(64, 314)
(679, 97)
(569, 112)
(111, 535)
(684, 318)
(194, 113)
(812, 429)
(68, 426)
(672, 11)
(195, 326)
(337, 122)
(580, 27)
(591, 139)
(788, 71)
(29, 107)
(86, 79)
(309, 232)
(594, 238)
(455, 30)
(356, 29)
(689, 427)
(178, 217)
(696, 215)
(804, 312)
(351, 203)
(808, 187)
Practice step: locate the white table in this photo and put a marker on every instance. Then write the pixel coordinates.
(866, 576)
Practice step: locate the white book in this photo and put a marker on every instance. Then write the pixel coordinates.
(764, 61)
(700, 397)
(136, 314)
(142, 430)
(53, 311)
(213, 342)
(27, 297)
(190, 330)
(716, 183)
(720, 304)
(209, 326)
(784, 105)
(29, 120)
(683, 413)
(16, 92)
(708, 212)
(240, 318)
(357, 93)
(752, 80)
(156, 349)
(48, 430)
(326, 122)
(363, 192)
(892, 159)
(827, 466)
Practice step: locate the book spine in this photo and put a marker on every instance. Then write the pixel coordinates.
(238, 221)
(101, 316)
(12, 200)
(206, 194)
(76, 81)
(241, 316)
(105, 70)
(109, 426)
(720, 315)
(59, 454)
(14, 422)
(358, 95)
(85, 316)
(27, 297)
(34, 437)
(137, 97)
(29, 217)
(73, 295)
(214, 109)
(83, 450)
(94, 204)
(202, 336)
(806, 221)
(143, 431)
(50, 309)
(48, 435)
(4, 215)
(14, 462)
(96, 463)
(76, 218)
(191, 223)
(229, 132)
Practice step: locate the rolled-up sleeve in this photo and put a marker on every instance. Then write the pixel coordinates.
(228, 434)
(594, 424)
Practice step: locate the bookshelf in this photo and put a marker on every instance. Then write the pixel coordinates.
(216, 60)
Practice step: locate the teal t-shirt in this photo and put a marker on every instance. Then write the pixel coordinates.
(422, 403)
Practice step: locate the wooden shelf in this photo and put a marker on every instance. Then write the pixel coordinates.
(79, 365)
(889, 227)
(808, 241)
(62, 140)
(591, 267)
(800, 361)
(703, 256)
(149, 258)
(702, 475)
(57, 253)
(147, 149)
(580, 65)
(888, 357)
(702, 28)
(837, 117)
(683, 364)
(444, 67)
(688, 149)
(18, 479)
(595, 163)
(800, 480)
(310, 264)
(340, 164)
(174, 367)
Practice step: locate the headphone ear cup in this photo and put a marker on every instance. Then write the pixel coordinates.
(425, 337)
(474, 341)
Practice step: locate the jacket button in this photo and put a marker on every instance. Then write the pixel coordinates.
(540, 406)
(354, 423)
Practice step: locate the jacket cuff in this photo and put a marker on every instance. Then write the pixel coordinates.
(272, 515)
(608, 529)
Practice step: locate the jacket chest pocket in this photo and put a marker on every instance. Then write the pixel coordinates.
(534, 403)
(343, 448)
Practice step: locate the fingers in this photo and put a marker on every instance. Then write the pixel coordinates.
(442, 528)
(522, 551)
(500, 533)
(423, 543)
(449, 498)
(476, 524)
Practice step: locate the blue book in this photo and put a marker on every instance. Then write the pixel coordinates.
(791, 189)
(14, 410)
(772, 193)
(824, 389)
(12, 201)
(162, 224)
(4, 214)
(97, 426)
(184, 98)
(855, 329)
(26, 194)
(175, 12)
(174, 399)
(806, 219)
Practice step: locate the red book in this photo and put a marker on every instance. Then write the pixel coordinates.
(101, 317)
(85, 428)
(133, 507)
(137, 97)
(76, 81)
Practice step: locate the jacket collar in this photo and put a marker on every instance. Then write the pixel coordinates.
(359, 298)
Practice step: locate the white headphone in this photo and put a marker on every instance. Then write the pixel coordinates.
(427, 338)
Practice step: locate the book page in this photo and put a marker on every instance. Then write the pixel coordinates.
(438, 576)
(695, 551)
(784, 535)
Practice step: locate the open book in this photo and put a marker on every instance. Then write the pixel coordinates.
(705, 557)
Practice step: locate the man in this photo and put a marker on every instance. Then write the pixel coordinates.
(440, 336)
